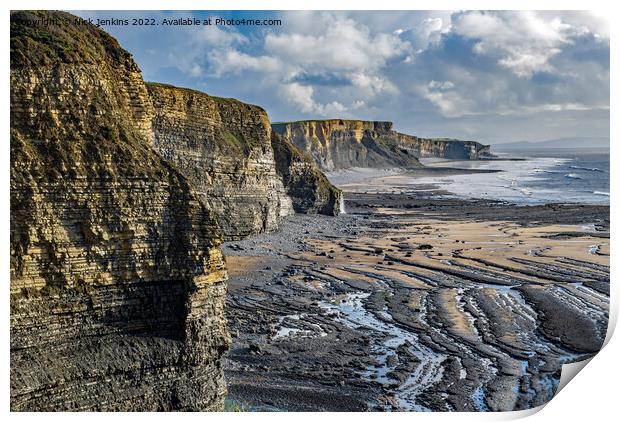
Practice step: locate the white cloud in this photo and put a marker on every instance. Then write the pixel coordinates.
(231, 61)
(431, 29)
(427, 30)
(335, 45)
(344, 46)
(522, 42)
(217, 37)
(591, 21)
(371, 85)
(450, 102)
(191, 45)
(421, 69)
(302, 96)
(440, 85)
(195, 70)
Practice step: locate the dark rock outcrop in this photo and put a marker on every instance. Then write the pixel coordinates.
(307, 186)
(117, 280)
(339, 144)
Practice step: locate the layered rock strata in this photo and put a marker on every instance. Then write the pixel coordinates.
(424, 304)
(223, 147)
(117, 280)
(443, 147)
(307, 186)
(340, 144)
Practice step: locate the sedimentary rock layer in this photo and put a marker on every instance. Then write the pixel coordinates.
(443, 147)
(223, 147)
(308, 188)
(340, 144)
(117, 280)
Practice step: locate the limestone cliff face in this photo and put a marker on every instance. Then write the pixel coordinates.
(117, 281)
(339, 144)
(443, 148)
(307, 186)
(223, 147)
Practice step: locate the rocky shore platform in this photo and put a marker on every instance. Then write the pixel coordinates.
(409, 303)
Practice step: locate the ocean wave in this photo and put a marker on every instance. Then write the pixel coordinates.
(598, 192)
(573, 176)
(585, 168)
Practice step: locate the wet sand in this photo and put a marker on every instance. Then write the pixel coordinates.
(395, 180)
(413, 303)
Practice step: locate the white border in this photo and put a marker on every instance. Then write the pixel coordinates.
(592, 395)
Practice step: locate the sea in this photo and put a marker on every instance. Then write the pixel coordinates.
(536, 177)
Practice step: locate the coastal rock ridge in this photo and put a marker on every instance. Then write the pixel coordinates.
(339, 144)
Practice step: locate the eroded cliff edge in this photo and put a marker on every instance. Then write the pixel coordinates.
(339, 144)
(307, 186)
(225, 148)
(117, 280)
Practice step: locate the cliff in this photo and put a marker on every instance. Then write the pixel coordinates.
(307, 186)
(224, 147)
(339, 144)
(117, 280)
(444, 147)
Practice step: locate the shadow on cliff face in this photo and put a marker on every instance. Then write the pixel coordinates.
(307, 186)
(117, 281)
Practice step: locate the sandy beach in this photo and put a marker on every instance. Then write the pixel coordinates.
(409, 302)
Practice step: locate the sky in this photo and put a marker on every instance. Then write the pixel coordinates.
(495, 77)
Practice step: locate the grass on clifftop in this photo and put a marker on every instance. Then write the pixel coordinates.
(325, 120)
(34, 41)
(195, 91)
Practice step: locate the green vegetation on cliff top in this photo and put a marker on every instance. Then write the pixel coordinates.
(195, 91)
(442, 139)
(46, 38)
(228, 136)
(329, 120)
